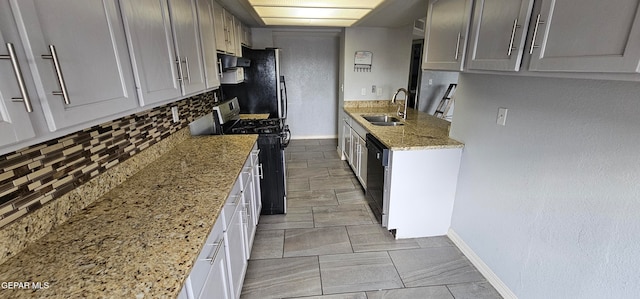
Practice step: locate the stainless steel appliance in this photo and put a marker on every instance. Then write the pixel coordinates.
(264, 88)
(273, 138)
(377, 171)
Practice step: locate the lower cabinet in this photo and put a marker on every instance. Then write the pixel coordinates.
(221, 266)
(354, 148)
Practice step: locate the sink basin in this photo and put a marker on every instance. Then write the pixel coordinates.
(380, 118)
(383, 120)
(386, 123)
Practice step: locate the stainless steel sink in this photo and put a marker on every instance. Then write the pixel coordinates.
(383, 120)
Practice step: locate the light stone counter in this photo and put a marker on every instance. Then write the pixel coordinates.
(421, 130)
(254, 116)
(139, 240)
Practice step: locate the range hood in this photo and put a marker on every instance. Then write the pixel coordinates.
(232, 62)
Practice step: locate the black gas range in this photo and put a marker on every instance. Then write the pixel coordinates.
(273, 138)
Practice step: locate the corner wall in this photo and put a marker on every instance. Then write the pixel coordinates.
(550, 202)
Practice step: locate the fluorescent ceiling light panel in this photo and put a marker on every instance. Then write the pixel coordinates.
(308, 22)
(338, 13)
(310, 13)
(318, 3)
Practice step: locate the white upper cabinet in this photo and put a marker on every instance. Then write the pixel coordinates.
(150, 39)
(208, 38)
(187, 42)
(220, 27)
(586, 36)
(446, 34)
(498, 34)
(15, 124)
(78, 57)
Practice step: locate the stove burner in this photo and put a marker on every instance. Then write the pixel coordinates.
(256, 126)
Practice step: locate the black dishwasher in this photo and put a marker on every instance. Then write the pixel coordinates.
(377, 162)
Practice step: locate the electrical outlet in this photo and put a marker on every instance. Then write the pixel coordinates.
(363, 91)
(430, 81)
(379, 91)
(502, 116)
(174, 114)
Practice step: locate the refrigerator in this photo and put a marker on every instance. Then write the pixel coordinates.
(264, 89)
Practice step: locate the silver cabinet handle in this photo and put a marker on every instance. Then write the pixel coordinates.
(235, 201)
(56, 65)
(180, 74)
(215, 253)
(260, 171)
(18, 72)
(535, 34)
(220, 68)
(458, 45)
(513, 36)
(186, 62)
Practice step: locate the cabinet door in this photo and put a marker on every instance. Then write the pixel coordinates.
(15, 124)
(362, 167)
(257, 176)
(446, 34)
(217, 283)
(587, 36)
(208, 41)
(148, 29)
(221, 31)
(239, 35)
(346, 136)
(186, 37)
(92, 61)
(231, 33)
(498, 34)
(236, 254)
(249, 221)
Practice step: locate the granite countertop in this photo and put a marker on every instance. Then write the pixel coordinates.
(421, 130)
(254, 116)
(141, 239)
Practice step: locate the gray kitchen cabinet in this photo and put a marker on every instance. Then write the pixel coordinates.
(586, 36)
(15, 124)
(186, 36)
(78, 58)
(208, 38)
(446, 34)
(225, 30)
(498, 34)
(148, 29)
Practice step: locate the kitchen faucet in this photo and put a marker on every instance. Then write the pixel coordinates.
(402, 114)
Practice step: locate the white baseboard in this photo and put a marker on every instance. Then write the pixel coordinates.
(298, 137)
(493, 279)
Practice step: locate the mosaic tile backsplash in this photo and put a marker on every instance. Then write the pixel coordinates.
(36, 175)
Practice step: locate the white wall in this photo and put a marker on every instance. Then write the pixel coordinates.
(310, 66)
(391, 49)
(551, 201)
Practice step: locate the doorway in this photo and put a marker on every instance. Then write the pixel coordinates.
(415, 73)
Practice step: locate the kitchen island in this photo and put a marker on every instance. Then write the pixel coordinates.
(413, 194)
(141, 239)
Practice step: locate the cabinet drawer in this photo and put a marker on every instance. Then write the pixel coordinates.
(234, 200)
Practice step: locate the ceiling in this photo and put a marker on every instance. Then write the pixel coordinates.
(390, 13)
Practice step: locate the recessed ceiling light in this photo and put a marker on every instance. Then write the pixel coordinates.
(339, 13)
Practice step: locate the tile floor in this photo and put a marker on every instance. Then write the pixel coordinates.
(329, 245)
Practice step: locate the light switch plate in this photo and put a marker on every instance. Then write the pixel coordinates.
(363, 91)
(502, 116)
(174, 114)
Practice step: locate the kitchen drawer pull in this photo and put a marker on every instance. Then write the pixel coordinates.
(235, 201)
(215, 253)
(18, 72)
(513, 36)
(56, 65)
(260, 171)
(458, 45)
(186, 62)
(535, 34)
(179, 63)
